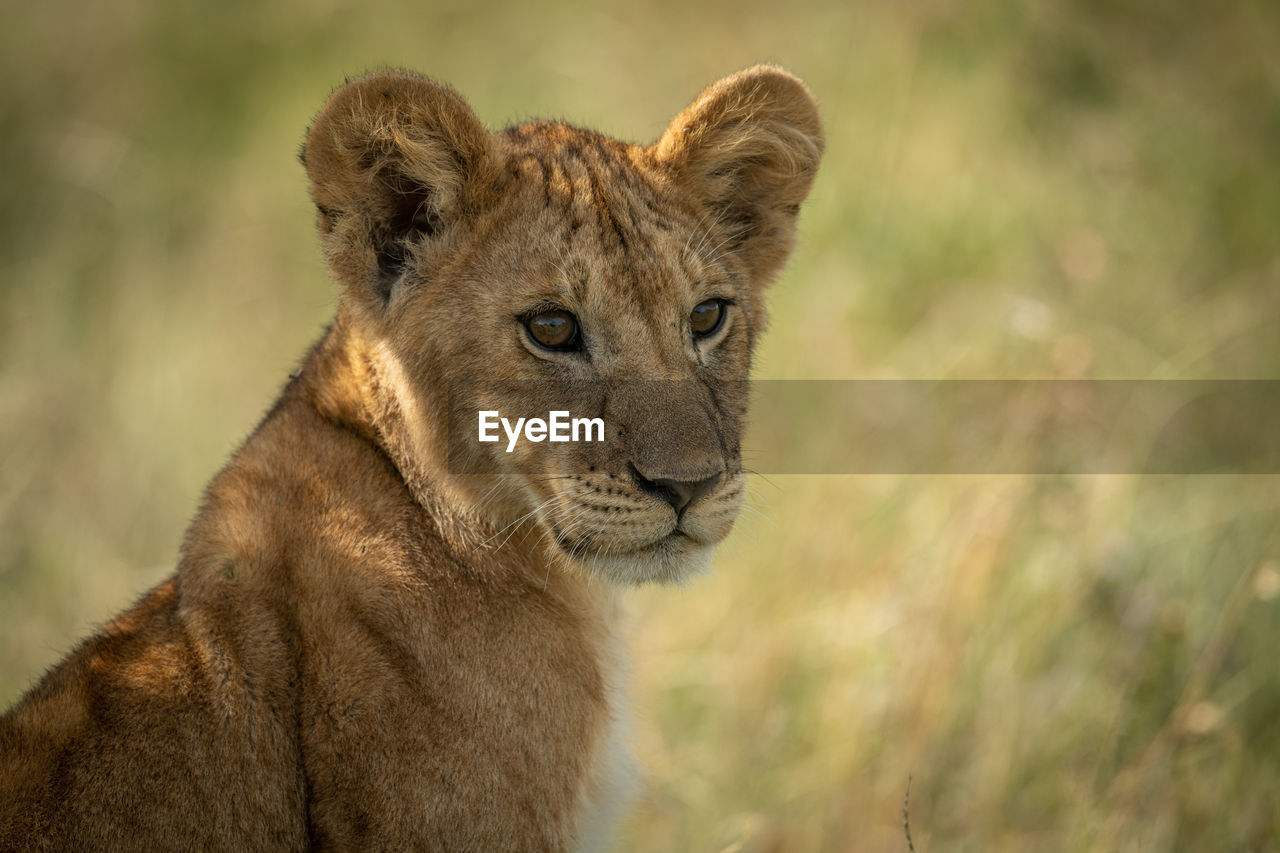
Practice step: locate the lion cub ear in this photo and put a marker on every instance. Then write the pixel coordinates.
(390, 158)
(748, 148)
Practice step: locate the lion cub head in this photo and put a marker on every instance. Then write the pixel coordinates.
(546, 268)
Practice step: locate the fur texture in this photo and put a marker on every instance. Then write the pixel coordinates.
(381, 633)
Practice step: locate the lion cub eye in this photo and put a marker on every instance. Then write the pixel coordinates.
(707, 318)
(554, 330)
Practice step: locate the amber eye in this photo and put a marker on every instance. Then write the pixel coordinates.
(553, 330)
(707, 318)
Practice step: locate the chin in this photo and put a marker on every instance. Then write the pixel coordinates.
(670, 560)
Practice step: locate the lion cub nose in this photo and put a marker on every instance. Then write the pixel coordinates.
(678, 493)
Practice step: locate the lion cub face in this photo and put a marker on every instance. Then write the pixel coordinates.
(550, 269)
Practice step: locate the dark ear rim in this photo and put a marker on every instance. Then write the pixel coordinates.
(390, 159)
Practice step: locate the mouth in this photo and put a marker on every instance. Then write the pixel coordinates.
(629, 542)
(587, 545)
(670, 558)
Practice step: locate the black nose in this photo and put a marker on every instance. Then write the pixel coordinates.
(678, 493)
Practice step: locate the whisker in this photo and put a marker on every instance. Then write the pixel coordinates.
(753, 472)
(558, 499)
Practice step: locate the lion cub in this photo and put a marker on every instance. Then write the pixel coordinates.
(384, 632)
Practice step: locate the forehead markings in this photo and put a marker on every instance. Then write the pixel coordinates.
(594, 178)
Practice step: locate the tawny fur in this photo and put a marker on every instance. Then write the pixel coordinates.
(380, 636)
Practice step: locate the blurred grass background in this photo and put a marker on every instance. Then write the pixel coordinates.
(1011, 190)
